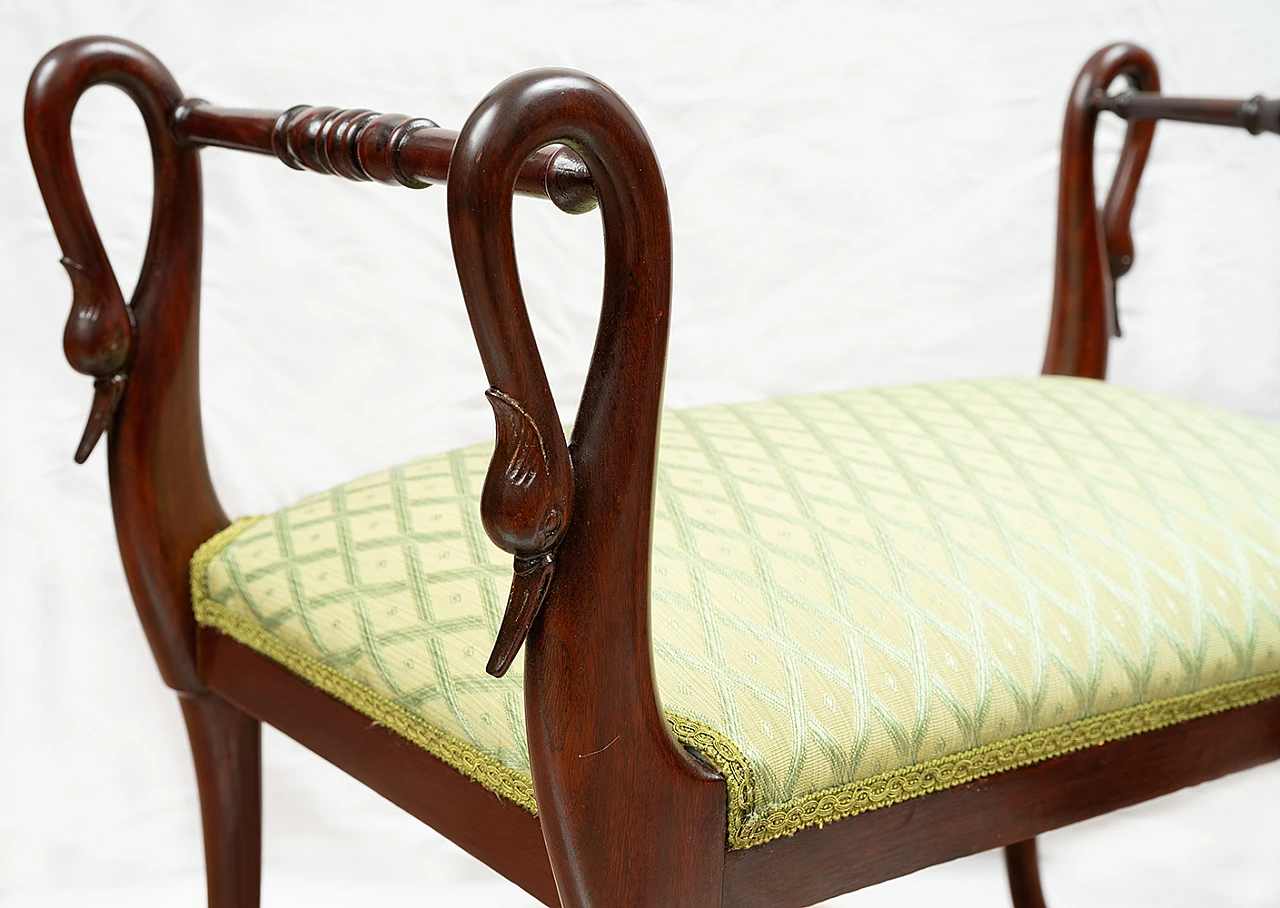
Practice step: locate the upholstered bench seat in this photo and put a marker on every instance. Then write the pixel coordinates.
(857, 597)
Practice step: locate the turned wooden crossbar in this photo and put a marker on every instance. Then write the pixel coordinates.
(1256, 114)
(414, 152)
(644, 822)
(364, 145)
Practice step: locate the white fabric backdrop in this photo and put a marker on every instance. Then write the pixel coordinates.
(862, 193)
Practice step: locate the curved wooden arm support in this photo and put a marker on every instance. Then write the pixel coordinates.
(629, 817)
(143, 356)
(363, 145)
(1095, 248)
(1084, 302)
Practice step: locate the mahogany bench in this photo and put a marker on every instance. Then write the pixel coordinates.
(889, 627)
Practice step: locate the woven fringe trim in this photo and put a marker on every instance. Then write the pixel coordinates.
(467, 759)
(725, 758)
(901, 785)
(747, 827)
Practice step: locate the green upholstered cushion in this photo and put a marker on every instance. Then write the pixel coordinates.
(857, 597)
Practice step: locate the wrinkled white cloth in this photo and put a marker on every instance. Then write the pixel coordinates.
(861, 194)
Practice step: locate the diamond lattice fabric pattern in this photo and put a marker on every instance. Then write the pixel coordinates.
(857, 597)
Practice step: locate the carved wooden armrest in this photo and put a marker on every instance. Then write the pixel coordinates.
(357, 144)
(147, 392)
(1095, 247)
(586, 508)
(581, 512)
(629, 817)
(143, 356)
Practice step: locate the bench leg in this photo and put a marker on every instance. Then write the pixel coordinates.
(1024, 875)
(226, 745)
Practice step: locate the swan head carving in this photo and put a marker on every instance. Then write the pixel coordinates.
(98, 341)
(527, 495)
(525, 505)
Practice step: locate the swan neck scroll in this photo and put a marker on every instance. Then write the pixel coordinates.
(100, 335)
(140, 351)
(1095, 244)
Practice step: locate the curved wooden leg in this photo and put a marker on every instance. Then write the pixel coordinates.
(226, 745)
(1024, 875)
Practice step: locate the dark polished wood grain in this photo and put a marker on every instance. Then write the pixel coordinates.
(362, 145)
(627, 816)
(163, 498)
(1023, 868)
(527, 500)
(226, 745)
(145, 362)
(1255, 115)
(1094, 248)
(499, 832)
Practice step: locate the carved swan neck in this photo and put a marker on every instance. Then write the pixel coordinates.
(143, 355)
(534, 488)
(520, 116)
(589, 660)
(1095, 247)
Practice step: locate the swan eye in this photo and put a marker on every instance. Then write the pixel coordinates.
(552, 526)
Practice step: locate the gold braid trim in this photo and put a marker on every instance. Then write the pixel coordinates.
(725, 758)
(462, 756)
(467, 759)
(901, 785)
(747, 825)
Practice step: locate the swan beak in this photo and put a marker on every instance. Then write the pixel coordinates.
(106, 397)
(529, 586)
